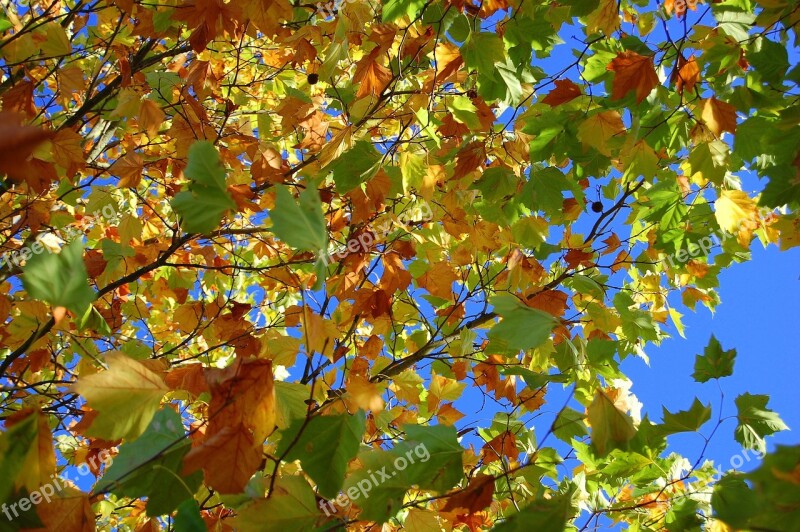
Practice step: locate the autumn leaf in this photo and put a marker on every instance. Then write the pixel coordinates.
(126, 396)
(565, 91)
(17, 142)
(686, 74)
(611, 428)
(228, 459)
(476, 497)
(718, 116)
(370, 76)
(733, 209)
(632, 72)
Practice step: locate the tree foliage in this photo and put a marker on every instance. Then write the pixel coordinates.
(257, 252)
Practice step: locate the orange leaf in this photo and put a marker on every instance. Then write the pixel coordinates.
(151, 117)
(188, 377)
(228, 459)
(564, 92)
(129, 169)
(552, 301)
(686, 74)
(475, 498)
(577, 257)
(242, 393)
(632, 72)
(504, 444)
(438, 280)
(718, 116)
(370, 76)
(71, 511)
(67, 151)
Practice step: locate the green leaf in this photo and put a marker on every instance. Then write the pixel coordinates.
(188, 518)
(770, 59)
(686, 420)
(59, 278)
(465, 112)
(683, 516)
(201, 207)
(324, 447)
(775, 485)
(300, 226)
(93, 320)
(542, 515)
(733, 501)
(15, 444)
(482, 50)
(379, 497)
(394, 9)
(714, 363)
(355, 166)
(435, 457)
(521, 328)
(569, 424)
(150, 466)
(756, 421)
(291, 507)
(290, 402)
(611, 427)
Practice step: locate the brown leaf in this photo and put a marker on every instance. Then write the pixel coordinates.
(632, 72)
(17, 143)
(502, 445)
(188, 377)
(228, 459)
(242, 393)
(686, 74)
(475, 498)
(564, 92)
(551, 301)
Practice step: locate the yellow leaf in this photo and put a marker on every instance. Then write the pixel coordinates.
(733, 208)
(611, 427)
(599, 129)
(718, 116)
(126, 396)
(151, 117)
(605, 18)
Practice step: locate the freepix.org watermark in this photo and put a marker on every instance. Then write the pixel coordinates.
(375, 478)
(705, 244)
(48, 491)
(420, 213)
(50, 242)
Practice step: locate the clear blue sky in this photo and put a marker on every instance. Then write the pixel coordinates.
(759, 316)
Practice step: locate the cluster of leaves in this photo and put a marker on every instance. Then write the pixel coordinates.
(566, 151)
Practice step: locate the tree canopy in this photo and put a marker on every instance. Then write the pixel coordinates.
(276, 265)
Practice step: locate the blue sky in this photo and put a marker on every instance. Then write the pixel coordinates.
(758, 317)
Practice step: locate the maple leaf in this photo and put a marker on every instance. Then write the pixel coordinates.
(686, 74)
(605, 18)
(476, 497)
(718, 116)
(244, 392)
(70, 510)
(565, 91)
(125, 396)
(632, 72)
(370, 76)
(504, 445)
(228, 459)
(17, 143)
